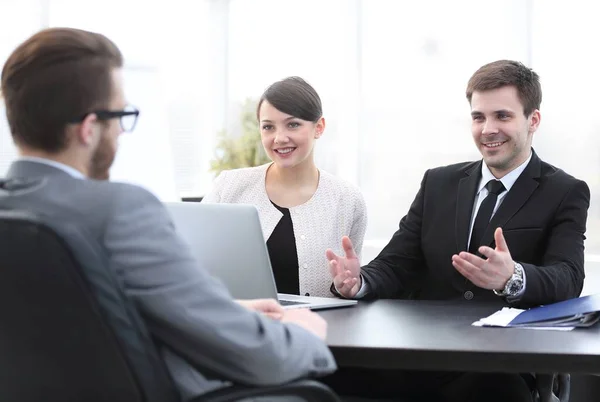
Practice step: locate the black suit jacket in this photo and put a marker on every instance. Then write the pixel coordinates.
(543, 217)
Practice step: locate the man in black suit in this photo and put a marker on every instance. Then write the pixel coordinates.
(506, 229)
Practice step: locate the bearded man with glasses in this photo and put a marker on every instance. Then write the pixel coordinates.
(66, 109)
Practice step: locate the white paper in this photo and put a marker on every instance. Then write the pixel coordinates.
(503, 317)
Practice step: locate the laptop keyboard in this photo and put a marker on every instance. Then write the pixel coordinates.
(290, 302)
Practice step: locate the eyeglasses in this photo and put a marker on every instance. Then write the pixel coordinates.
(127, 117)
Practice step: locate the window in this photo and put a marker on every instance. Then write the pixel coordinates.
(564, 54)
(391, 75)
(415, 67)
(316, 40)
(164, 45)
(26, 17)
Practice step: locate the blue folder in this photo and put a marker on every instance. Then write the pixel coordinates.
(579, 312)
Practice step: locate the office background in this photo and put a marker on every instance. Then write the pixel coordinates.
(391, 74)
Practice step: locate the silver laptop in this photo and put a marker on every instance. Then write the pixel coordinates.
(227, 240)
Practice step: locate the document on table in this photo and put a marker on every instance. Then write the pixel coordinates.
(504, 317)
(579, 312)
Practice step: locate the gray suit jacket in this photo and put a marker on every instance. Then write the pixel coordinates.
(198, 326)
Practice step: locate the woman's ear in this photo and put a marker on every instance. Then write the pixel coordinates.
(319, 127)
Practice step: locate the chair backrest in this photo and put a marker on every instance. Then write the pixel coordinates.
(67, 330)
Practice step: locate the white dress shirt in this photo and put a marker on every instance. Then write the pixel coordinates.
(66, 168)
(486, 175)
(508, 181)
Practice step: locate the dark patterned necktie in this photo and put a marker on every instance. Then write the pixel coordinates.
(482, 220)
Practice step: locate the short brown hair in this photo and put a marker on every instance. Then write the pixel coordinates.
(293, 96)
(53, 77)
(509, 73)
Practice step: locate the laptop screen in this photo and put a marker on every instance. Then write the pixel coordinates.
(227, 240)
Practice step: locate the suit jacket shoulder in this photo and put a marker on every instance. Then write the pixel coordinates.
(558, 177)
(454, 172)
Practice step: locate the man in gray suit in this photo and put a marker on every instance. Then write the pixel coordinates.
(66, 109)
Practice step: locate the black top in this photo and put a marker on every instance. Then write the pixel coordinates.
(283, 254)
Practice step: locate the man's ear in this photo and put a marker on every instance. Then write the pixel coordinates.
(85, 131)
(535, 121)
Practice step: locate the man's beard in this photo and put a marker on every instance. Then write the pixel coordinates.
(102, 159)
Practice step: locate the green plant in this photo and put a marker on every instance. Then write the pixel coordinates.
(243, 151)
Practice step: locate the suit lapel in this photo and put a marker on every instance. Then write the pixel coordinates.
(467, 189)
(518, 195)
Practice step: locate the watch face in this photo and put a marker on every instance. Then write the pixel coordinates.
(515, 287)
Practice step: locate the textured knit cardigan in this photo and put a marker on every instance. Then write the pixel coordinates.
(336, 209)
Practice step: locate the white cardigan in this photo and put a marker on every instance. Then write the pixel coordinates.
(336, 209)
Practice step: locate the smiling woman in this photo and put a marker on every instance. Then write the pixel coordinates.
(289, 128)
(303, 210)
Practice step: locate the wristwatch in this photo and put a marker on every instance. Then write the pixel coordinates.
(514, 284)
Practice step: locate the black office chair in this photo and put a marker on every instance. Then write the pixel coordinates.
(553, 387)
(69, 333)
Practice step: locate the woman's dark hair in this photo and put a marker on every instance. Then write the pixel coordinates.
(295, 97)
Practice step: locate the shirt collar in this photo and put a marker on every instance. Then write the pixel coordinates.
(65, 168)
(508, 180)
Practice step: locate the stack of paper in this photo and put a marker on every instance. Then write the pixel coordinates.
(562, 316)
(504, 317)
